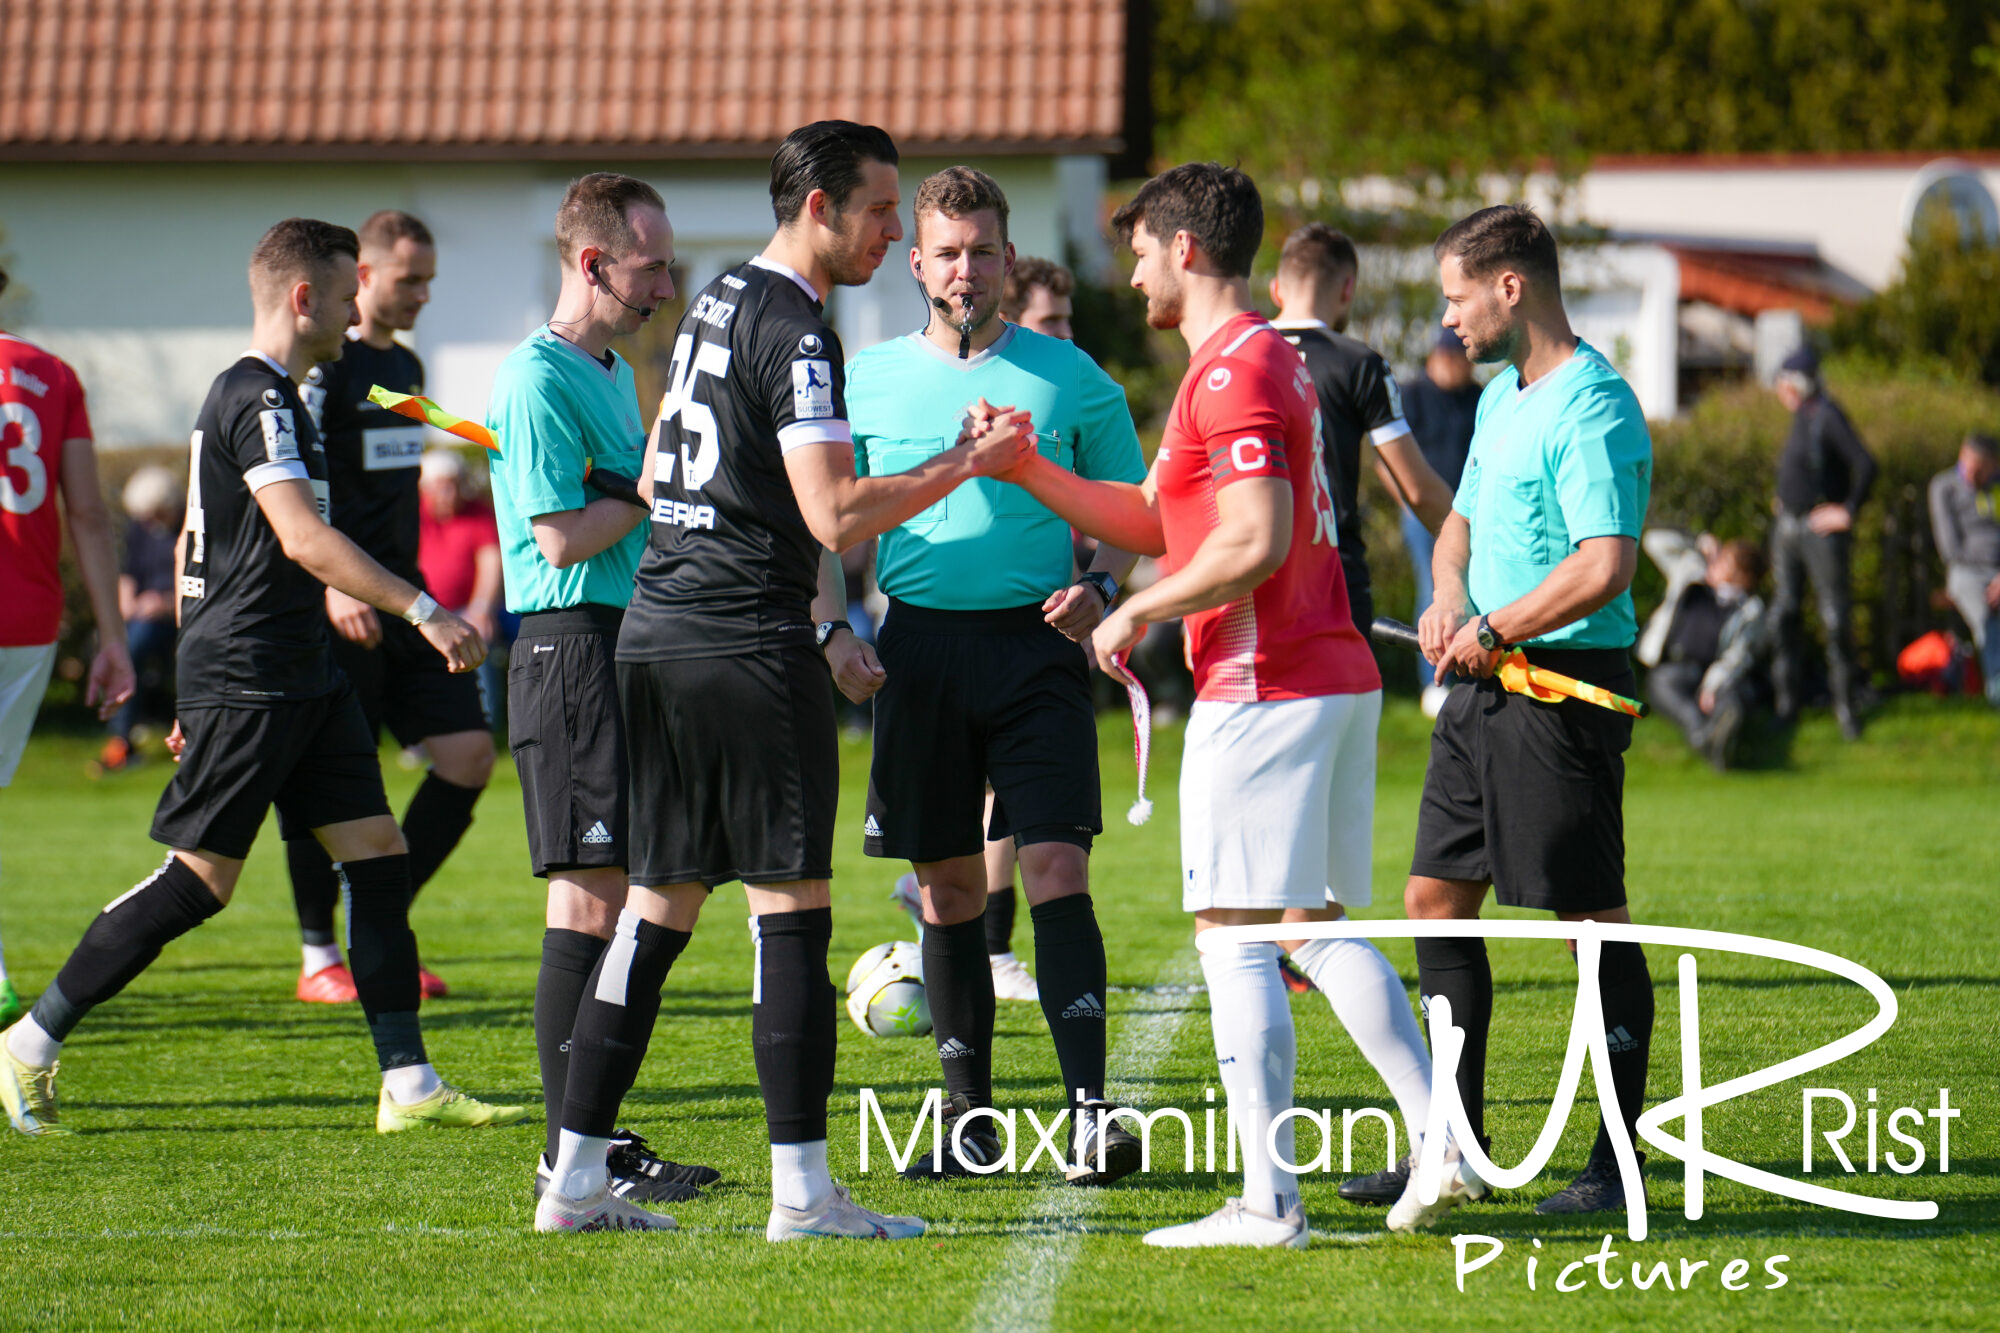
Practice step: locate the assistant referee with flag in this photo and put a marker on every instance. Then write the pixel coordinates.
(1522, 796)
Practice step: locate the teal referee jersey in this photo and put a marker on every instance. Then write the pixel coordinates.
(553, 406)
(988, 544)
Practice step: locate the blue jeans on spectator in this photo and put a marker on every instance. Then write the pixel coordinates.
(1418, 539)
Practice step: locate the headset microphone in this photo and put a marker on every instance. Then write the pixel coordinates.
(597, 271)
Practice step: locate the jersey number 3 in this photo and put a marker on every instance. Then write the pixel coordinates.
(26, 457)
(698, 461)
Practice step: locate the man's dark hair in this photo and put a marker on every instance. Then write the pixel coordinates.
(959, 192)
(1749, 558)
(825, 155)
(1505, 236)
(1219, 206)
(383, 229)
(1983, 445)
(597, 210)
(299, 249)
(1029, 273)
(1319, 254)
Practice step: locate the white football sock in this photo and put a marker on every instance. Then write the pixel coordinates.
(319, 957)
(799, 1178)
(1257, 1054)
(411, 1083)
(32, 1045)
(1369, 1000)
(579, 1172)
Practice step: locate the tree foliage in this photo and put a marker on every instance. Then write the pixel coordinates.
(1942, 312)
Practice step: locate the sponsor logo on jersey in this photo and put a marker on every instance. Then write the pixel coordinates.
(1218, 378)
(679, 514)
(1395, 392)
(281, 434)
(812, 388)
(810, 345)
(272, 398)
(313, 394)
(732, 281)
(384, 448)
(598, 834)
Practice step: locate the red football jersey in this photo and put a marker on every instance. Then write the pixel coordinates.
(41, 405)
(1246, 410)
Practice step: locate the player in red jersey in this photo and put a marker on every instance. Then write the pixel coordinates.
(45, 453)
(1278, 776)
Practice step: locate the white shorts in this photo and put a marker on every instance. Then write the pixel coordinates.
(24, 679)
(1278, 802)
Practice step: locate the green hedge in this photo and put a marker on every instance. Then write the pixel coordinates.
(1715, 470)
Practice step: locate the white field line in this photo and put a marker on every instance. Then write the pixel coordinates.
(1021, 1292)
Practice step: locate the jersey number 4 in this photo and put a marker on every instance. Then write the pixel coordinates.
(699, 458)
(26, 457)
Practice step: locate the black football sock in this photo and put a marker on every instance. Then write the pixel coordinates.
(123, 940)
(568, 958)
(1626, 985)
(958, 982)
(1070, 973)
(614, 1022)
(792, 1022)
(382, 955)
(315, 888)
(438, 817)
(1000, 910)
(1458, 970)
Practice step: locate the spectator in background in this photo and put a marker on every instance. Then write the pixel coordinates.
(1440, 406)
(1037, 297)
(1967, 533)
(458, 550)
(1824, 474)
(1706, 676)
(154, 509)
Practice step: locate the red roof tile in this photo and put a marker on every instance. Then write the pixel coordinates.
(429, 79)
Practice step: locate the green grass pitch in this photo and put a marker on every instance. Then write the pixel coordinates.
(228, 1175)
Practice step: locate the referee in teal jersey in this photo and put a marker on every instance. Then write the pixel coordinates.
(985, 681)
(1522, 796)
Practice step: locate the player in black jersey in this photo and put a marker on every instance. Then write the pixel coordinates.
(735, 763)
(1359, 404)
(263, 716)
(371, 459)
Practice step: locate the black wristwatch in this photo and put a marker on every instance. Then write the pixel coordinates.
(826, 629)
(1106, 586)
(1489, 638)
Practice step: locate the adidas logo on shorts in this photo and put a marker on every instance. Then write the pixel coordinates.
(953, 1048)
(1086, 1005)
(871, 828)
(598, 834)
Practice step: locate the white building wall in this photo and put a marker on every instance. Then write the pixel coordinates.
(136, 274)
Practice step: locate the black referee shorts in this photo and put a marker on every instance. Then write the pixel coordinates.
(974, 697)
(735, 768)
(405, 683)
(1531, 796)
(568, 738)
(315, 759)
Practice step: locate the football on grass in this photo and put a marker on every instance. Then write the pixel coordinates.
(885, 991)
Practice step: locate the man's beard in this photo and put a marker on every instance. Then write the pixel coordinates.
(1164, 309)
(847, 268)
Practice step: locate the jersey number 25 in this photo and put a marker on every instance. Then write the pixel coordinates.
(698, 463)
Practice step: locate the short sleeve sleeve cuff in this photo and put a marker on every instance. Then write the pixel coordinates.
(266, 474)
(802, 433)
(1382, 435)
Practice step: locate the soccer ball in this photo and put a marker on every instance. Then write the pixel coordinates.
(885, 991)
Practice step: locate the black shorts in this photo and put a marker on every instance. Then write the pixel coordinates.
(314, 759)
(405, 683)
(568, 738)
(1529, 796)
(974, 697)
(735, 768)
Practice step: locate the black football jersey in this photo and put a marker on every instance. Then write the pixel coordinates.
(253, 623)
(730, 566)
(371, 453)
(1358, 402)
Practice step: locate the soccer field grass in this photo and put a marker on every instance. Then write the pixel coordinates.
(228, 1175)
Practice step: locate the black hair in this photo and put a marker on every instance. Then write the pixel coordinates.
(825, 155)
(1219, 206)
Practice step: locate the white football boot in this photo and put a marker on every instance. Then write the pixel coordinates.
(1461, 1184)
(1011, 980)
(839, 1216)
(605, 1211)
(1234, 1224)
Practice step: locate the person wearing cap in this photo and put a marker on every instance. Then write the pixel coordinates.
(1824, 475)
(1440, 405)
